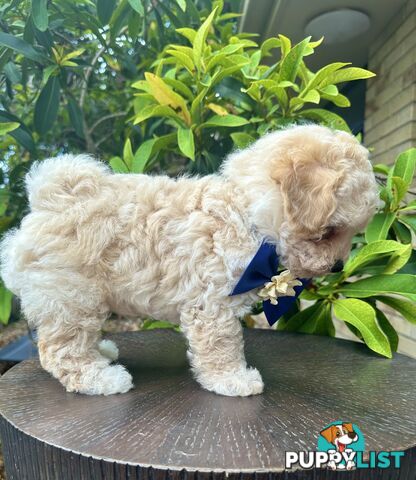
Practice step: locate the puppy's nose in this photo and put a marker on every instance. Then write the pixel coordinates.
(337, 266)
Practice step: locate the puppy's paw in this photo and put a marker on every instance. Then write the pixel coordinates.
(102, 381)
(109, 349)
(241, 383)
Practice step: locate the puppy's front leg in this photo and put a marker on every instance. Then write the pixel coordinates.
(216, 352)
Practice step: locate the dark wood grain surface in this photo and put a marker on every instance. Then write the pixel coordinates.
(168, 423)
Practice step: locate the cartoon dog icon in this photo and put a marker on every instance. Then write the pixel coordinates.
(341, 436)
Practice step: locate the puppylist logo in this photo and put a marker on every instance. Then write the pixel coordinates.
(341, 446)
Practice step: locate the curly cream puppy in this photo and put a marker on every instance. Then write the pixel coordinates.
(95, 242)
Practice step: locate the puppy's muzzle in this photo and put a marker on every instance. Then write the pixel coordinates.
(337, 267)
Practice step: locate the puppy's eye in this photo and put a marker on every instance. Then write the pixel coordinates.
(328, 232)
(338, 434)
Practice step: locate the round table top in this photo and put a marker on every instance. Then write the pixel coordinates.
(167, 421)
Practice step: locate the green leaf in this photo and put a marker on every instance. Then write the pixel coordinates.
(75, 115)
(128, 154)
(398, 260)
(291, 62)
(5, 304)
(188, 33)
(410, 206)
(379, 226)
(137, 6)
(409, 220)
(312, 97)
(268, 45)
(285, 45)
(166, 96)
(118, 165)
(318, 80)
(119, 18)
(405, 165)
(156, 324)
(182, 5)
(339, 100)
(388, 330)
(200, 38)
(320, 323)
(105, 9)
(308, 294)
(182, 87)
(21, 134)
(296, 321)
(363, 317)
(12, 72)
(326, 117)
(155, 111)
(184, 59)
(48, 71)
(331, 90)
(399, 189)
(20, 46)
(186, 142)
(225, 121)
(402, 232)
(7, 127)
(40, 14)
(400, 284)
(241, 139)
(347, 75)
(381, 168)
(142, 155)
(46, 108)
(404, 307)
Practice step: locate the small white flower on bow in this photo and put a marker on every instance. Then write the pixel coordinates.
(280, 286)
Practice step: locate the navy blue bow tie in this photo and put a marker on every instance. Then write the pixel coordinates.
(260, 270)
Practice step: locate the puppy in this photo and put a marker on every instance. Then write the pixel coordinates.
(341, 436)
(95, 242)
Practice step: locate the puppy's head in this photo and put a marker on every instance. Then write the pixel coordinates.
(340, 434)
(329, 193)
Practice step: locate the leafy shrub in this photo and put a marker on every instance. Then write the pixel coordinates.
(171, 86)
(217, 93)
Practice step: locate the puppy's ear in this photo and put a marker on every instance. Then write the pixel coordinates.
(348, 427)
(329, 433)
(308, 190)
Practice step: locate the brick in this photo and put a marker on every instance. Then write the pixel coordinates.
(400, 135)
(388, 157)
(387, 61)
(398, 29)
(375, 112)
(386, 84)
(390, 123)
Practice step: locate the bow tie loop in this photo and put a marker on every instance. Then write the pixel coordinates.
(262, 273)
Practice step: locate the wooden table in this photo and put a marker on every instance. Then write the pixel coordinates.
(169, 428)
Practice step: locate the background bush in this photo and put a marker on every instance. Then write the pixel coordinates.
(171, 86)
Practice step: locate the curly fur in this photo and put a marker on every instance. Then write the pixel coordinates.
(96, 242)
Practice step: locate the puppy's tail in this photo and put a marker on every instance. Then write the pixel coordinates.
(57, 183)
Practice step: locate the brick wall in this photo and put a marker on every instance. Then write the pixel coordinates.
(390, 115)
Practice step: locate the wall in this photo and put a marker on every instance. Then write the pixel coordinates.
(390, 115)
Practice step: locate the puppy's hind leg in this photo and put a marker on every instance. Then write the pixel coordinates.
(69, 330)
(216, 352)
